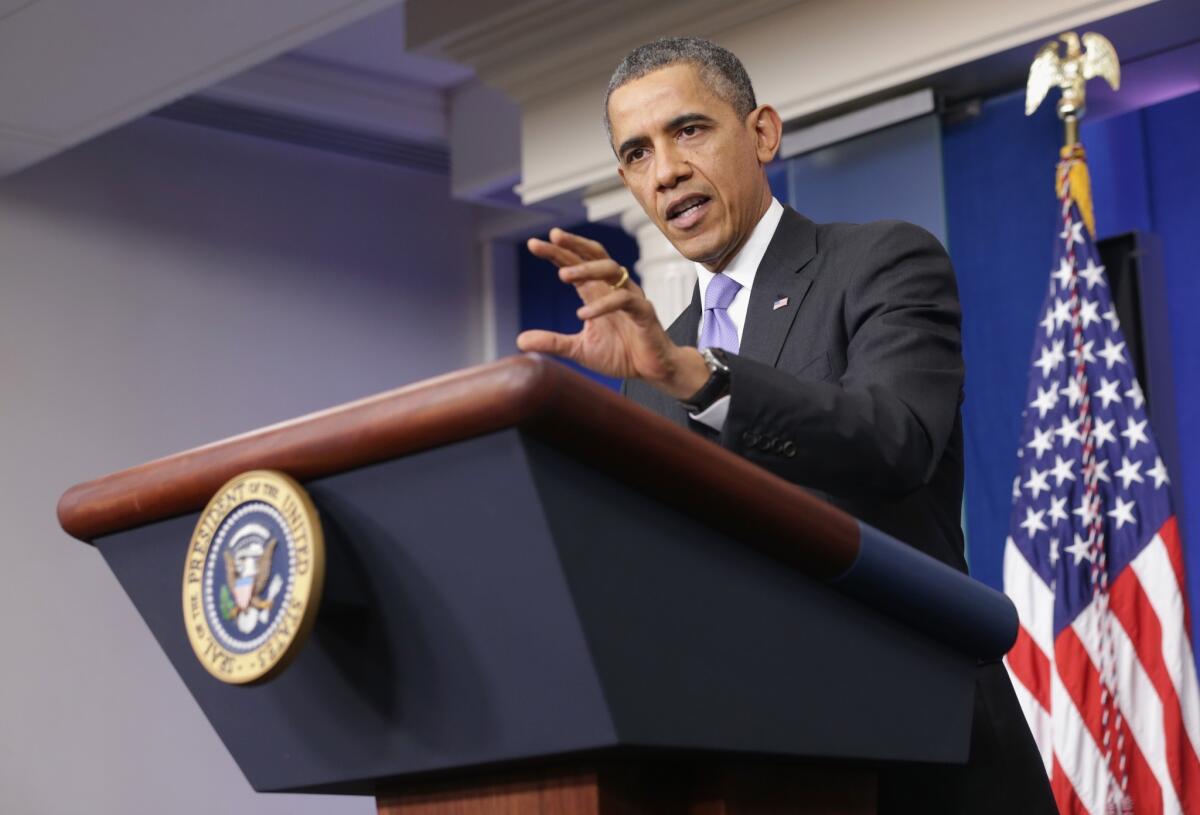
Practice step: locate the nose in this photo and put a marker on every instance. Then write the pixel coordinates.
(670, 167)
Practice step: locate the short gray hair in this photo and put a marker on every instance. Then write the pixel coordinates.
(721, 70)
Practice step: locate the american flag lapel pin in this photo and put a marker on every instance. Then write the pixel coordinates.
(779, 303)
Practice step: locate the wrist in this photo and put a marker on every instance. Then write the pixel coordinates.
(687, 373)
(715, 387)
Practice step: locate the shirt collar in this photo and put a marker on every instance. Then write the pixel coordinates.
(745, 263)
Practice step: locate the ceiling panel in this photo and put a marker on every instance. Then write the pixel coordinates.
(376, 45)
(8, 7)
(72, 68)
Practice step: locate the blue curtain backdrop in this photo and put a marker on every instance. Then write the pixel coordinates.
(1000, 210)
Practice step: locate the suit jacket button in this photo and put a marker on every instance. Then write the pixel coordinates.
(750, 439)
(768, 443)
(789, 449)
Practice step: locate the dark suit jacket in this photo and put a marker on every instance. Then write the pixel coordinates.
(852, 390)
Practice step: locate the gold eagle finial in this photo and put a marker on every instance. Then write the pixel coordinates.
(1071, 71)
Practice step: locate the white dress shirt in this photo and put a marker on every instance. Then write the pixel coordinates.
(741, 269)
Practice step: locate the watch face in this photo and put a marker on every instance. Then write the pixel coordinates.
(716, 360)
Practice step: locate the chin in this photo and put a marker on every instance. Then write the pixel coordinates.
(698, 248)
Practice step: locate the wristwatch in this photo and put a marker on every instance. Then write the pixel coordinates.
(717, 384)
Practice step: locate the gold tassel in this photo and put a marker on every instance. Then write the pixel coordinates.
(1073, 168)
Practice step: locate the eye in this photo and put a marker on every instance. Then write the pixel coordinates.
(689, 131)
(635, 154)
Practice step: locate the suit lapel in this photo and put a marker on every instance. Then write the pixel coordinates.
(784, 274)
(686, 327)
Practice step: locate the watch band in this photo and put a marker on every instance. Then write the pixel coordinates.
(717, 384)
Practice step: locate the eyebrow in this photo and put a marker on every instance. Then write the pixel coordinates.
(680, 121)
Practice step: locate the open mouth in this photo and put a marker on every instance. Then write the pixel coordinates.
(688, 212)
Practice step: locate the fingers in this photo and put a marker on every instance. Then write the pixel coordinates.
(606, 271)
(546, 342)
(557, 255)
(621, 299)
(584, 247)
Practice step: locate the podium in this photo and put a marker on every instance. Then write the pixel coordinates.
(542, 598)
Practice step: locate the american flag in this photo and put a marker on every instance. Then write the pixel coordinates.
(1103, 663)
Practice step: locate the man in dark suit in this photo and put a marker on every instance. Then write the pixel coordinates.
(828, 354)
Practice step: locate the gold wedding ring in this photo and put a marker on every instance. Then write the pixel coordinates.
(624, 279)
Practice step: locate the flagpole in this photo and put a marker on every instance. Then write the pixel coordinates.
(1071, 124)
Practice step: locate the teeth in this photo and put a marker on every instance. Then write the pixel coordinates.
(687, 209)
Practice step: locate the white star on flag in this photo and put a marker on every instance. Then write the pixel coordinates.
(1062, 312)
(1064, 470)
(1102, 433)
(1089, 312)
(1033, 521)
(1042, 441)
(1053, 551)
(1080, 550)
(1158, 472)
(1037, 482)
(1122, 513)
(1093, 274)
(1063, 274)
(1113, 353)
(1068, 431)
(1052, 356)
(1073, 392)
(1111, 316)
(1086, 512)
(1130, 471)
(1135, 432)
(1074, 235)
(1085, 350)
(1058, 508)
(1047, 398)
(1107, 392)
(1135, 393)
(1048, 322)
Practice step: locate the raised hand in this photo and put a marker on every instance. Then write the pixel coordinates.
(621, 334)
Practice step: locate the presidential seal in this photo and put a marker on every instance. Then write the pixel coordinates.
(253, 578)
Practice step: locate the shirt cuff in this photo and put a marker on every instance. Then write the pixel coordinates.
(714, 415)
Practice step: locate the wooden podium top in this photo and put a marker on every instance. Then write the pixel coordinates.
(530, 392)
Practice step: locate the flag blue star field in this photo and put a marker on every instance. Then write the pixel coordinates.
(1103, 664)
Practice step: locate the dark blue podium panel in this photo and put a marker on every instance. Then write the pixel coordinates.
(497, 601)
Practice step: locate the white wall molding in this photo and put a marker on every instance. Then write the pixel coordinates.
(329, 92)
(607, 201)
(864, 120)
(805, 57)
(535, 48)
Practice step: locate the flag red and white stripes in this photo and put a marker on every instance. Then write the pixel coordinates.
(1056, 681)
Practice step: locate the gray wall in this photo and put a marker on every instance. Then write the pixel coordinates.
(891, 173)
(162, 287)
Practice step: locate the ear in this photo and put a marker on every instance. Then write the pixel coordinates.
(768, 131)
(621, 172)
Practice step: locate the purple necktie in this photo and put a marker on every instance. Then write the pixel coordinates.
(718, 330)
